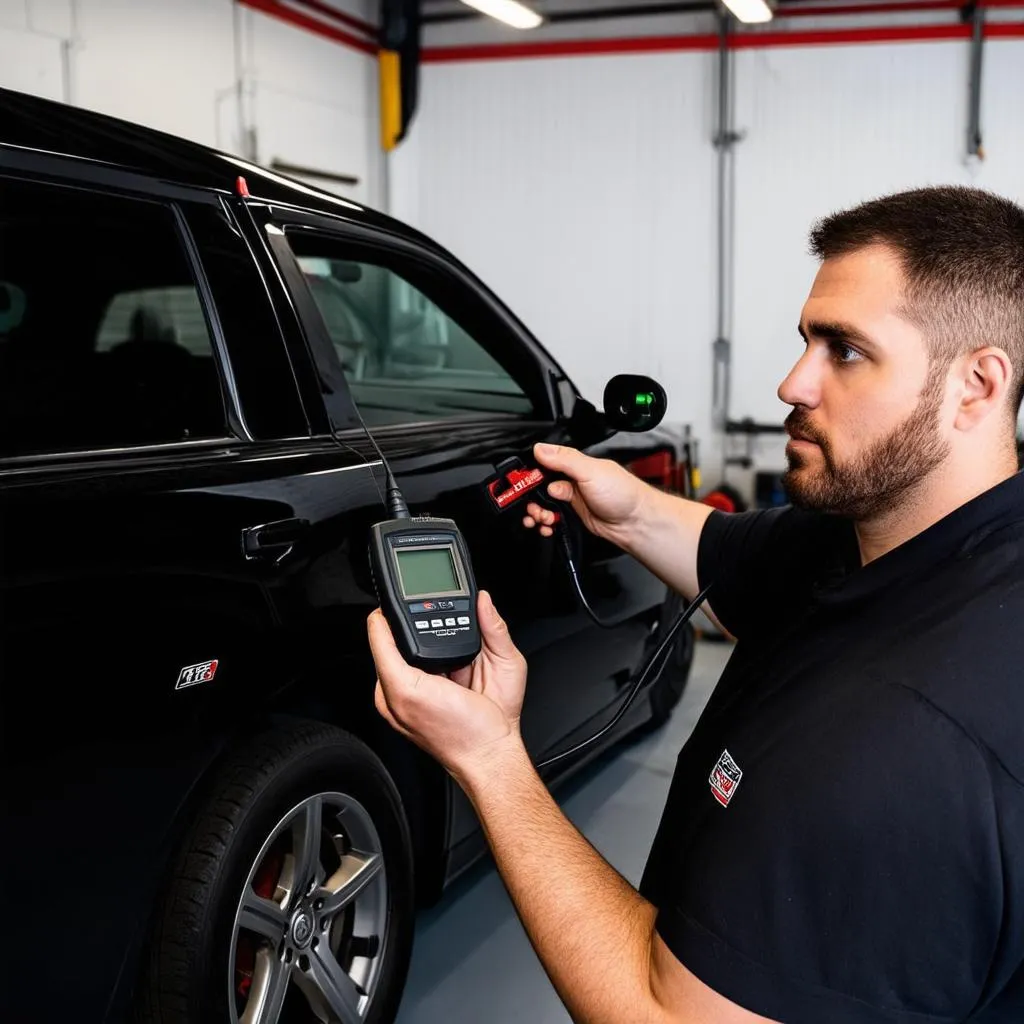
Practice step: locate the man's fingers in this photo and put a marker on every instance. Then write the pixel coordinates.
(404, 688)
(493, 630)
(537, 514)
(561, 490)
(391, 666)
(541, 518)
(530, 521)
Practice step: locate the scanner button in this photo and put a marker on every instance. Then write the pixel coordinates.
(463, 620)
(436, 623)
(449, 622)
(422, 624)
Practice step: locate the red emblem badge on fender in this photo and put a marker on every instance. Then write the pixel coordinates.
(725, 778)
(190, 675)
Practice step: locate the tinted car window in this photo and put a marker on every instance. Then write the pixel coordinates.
(103, 341)
(178, 312)
(405, 357)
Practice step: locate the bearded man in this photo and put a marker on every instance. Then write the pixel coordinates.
(843, 840)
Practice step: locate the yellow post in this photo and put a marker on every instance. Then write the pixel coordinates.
(389, 64)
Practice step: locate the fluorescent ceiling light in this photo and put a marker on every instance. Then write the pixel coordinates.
(752, 12)
(509, 11)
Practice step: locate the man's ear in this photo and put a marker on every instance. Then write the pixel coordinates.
(986, 376)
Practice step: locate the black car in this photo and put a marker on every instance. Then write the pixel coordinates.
(204, 817)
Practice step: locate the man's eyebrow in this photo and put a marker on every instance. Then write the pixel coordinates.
(833, 330)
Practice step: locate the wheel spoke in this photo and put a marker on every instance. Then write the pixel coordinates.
(270, 986)
(306, 845)
(337, 988)
(262, 916)
(356, 872)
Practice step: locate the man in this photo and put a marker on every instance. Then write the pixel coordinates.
(843, 841)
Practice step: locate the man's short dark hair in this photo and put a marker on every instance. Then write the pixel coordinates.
(962, 251)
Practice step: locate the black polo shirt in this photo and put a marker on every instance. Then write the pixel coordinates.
(843, 841)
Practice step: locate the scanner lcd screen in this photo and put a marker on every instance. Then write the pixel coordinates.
(427, 571)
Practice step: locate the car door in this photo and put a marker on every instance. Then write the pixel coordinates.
(137, 631)
(449, 383)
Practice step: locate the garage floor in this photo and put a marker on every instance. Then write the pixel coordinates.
(472, 961)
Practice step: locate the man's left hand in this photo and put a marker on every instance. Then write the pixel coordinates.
(463, 720)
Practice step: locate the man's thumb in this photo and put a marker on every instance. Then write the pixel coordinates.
(570, 461)
(493, 630)
(386, 656)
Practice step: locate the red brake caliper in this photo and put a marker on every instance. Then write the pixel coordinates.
(263, 885)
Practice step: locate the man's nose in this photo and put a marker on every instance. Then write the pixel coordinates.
(803, 385)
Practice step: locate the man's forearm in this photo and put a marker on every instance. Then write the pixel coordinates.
(665, 536)
(591, 930)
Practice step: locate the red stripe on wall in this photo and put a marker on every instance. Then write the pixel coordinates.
(827, 37)
(278, 10)
(744, 41)
(569, 48)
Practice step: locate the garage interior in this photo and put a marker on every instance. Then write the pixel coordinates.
(609, 124)
(635, 179)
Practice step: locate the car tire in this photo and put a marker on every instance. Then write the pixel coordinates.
(671, 683)
(238, 923)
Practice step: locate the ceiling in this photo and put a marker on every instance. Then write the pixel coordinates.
(567, 11)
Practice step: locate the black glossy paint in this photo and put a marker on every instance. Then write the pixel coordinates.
(119, 568)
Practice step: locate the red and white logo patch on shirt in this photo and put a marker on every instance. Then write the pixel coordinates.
(725, 779)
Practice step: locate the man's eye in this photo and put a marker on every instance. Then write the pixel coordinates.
(843, 353)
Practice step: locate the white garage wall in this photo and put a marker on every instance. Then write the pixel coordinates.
(583, 191)
(831, 127)
(208, 70)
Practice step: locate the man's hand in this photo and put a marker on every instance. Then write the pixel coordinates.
(605, 496)
(659, 529)
(462, 721)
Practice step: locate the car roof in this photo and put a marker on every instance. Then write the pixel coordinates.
(46, 126)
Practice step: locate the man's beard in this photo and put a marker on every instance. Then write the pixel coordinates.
(877, 479)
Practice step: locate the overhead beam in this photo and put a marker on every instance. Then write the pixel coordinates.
(588, 13)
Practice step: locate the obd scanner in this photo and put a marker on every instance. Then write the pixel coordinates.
(424, 580)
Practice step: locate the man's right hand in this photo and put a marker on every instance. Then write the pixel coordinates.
(606, 497)
(661, 530)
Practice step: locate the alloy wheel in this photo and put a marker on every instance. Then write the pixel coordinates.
(310, 927)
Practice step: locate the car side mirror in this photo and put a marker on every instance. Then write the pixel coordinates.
(633, 403)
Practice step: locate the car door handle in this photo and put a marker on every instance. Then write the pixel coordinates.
(272, 541)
